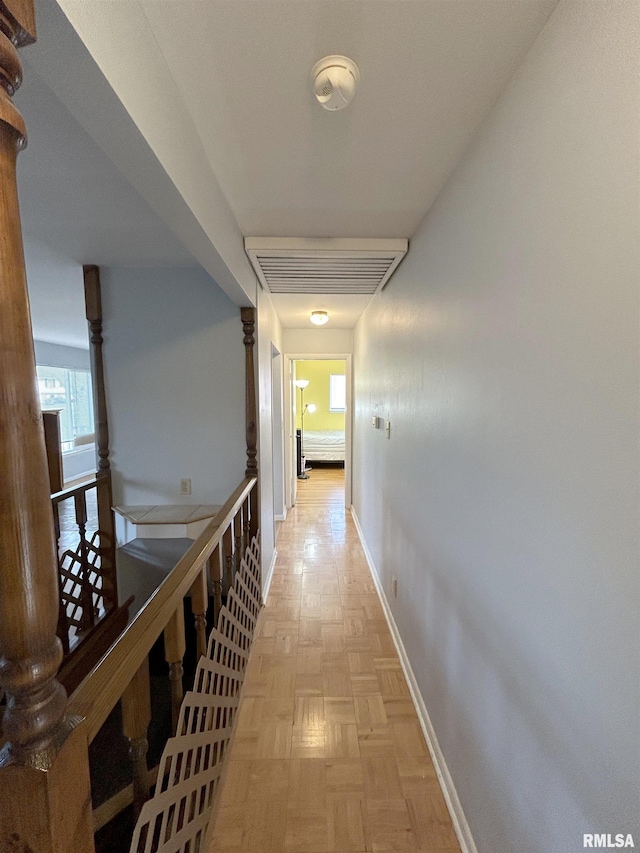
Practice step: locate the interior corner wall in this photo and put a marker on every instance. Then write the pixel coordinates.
(504, 351)
(175, 383)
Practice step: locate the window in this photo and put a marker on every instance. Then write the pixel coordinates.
(69, 391)
(337, 392)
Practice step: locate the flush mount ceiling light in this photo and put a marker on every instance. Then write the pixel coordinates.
(334, 80)
(319, 318)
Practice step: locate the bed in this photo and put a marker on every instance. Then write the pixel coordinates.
(324, 445)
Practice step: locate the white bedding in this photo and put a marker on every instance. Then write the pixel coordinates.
(324, 445)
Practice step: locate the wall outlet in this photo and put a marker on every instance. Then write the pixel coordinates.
(185, 487)
(394, 586)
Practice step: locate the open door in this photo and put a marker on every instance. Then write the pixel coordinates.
(321, 416)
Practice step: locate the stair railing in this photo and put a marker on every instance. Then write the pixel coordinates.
(123, 672)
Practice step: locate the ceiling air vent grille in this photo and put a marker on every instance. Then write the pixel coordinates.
(331, 265)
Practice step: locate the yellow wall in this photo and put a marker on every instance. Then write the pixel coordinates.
(317, 391)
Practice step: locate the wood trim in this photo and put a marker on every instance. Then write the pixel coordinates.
(112, 807)
(248, 325)
(106, 519)
(248, 317)
(21, 15)
(93, 310)
(30, 652)
(51, 424)
(102, 688)
(136, 716)
(45, 754)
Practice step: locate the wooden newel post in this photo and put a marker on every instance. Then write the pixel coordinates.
(248, 316)
(44, 757)
(106, 522)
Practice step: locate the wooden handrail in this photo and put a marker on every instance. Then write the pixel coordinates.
(65, 494)
(105, 684)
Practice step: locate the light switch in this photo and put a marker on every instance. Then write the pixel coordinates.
(387, 427)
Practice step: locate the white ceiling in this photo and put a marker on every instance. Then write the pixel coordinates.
(72, 196)
(294, 310)
(221, 93)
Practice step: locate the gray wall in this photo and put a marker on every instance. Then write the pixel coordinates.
(505, 354)
(174, 373)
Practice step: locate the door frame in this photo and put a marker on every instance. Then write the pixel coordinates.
(291, 481)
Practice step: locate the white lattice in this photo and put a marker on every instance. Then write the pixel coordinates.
(217, 680)
(222, 648)
(175, 820)
(80, 574)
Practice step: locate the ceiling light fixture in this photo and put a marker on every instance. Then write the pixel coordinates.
(319, 318)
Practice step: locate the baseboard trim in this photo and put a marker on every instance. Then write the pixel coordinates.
(266, 580)
(463, 832)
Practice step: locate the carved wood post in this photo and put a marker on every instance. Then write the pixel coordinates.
(136, 716)
(45, 754)
(106, 522)
(227, 553)
(215, 575)
(174, 649)
(237, 541)
(199, 601)
(248, 316)
(63, 621)
(88, 617)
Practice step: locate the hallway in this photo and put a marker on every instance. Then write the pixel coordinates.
(328, 753)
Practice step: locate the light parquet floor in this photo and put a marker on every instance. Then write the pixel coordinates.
(328, 753)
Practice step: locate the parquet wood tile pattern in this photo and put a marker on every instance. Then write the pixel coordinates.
(328, 755)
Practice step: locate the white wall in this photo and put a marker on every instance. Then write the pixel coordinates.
(505, 353)
(277, 420)
(269, 335)
(174, 375)
(317, 341)
(56, 296)
(54, 355)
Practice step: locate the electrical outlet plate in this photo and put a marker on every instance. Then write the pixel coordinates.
(185, 487)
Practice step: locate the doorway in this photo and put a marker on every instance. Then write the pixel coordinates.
(318, 421)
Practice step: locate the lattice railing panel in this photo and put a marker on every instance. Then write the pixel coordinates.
(240, 613)
(223, 649)
(175, 820)
(217, 680)
(81, 582)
